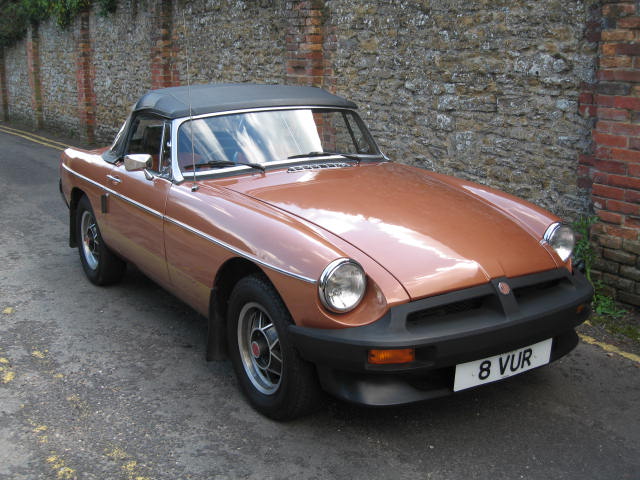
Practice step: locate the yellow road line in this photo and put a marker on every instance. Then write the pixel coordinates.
(609, 348)
(50, 145)
(34, 135)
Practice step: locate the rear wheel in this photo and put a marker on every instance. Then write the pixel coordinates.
(275, 379)
(100, 264)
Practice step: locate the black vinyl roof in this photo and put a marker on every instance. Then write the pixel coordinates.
(173, 102)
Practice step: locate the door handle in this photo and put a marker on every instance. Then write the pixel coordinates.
(114, 179)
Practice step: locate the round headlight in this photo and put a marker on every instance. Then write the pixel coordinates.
(342, 285)
(561, 239)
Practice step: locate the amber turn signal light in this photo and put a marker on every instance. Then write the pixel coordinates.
(385, 357)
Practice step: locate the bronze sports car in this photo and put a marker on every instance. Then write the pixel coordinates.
(319, 263)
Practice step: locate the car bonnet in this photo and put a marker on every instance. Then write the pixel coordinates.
(432, 237)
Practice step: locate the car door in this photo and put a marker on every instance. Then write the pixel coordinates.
(135, 209)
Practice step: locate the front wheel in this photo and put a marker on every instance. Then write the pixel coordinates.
(100, 264)
(275, 379)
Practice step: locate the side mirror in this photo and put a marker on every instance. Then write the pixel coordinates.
(137, 161)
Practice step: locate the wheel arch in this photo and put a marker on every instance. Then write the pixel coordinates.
(74, 199)
(229, 274)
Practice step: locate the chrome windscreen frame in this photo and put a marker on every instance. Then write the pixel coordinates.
(178, 177)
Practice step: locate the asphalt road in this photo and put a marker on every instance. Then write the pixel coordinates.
(111, 383)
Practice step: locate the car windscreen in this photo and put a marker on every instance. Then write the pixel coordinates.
(270, 136)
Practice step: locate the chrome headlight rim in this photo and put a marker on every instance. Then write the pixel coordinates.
(552, 233)
(327, 273)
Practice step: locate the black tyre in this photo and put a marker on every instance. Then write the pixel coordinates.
(275, 379)
(100, 264)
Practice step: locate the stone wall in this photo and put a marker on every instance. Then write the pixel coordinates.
(18, 90)
(487, 90)
(121, 49)
(58, 79)
(500, 92)
(231, 41)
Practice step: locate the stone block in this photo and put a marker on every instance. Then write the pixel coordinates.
(619, 256)
(632, 246)
(618, 283)
(627, 297)
(605, 265)
(630, 272)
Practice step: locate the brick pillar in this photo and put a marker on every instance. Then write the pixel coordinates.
(614, 165)
(84, 78)
(33, 63)
(164, 72)
(4, 96)
(310, 44)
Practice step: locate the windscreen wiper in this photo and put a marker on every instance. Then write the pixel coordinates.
(224, 163)
(350, 156)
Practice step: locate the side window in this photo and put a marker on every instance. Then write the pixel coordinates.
(146, 137)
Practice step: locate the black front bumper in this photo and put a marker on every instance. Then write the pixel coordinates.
(447, 330)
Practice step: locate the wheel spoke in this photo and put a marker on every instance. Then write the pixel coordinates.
(260, 348)
(276, 356)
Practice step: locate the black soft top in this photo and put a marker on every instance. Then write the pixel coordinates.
(173, 102)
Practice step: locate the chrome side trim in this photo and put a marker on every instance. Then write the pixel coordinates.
(114, 193)
(195, 231)
(233, 249)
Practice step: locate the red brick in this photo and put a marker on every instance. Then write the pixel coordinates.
(625, 155)
(608, 192)
(621, 232)
(600, 177)
(632, 196)
(632, 222)
(612, 114)
(622, 207)
(630, 103)
(609, 49)
(610, 140)
(620, 61)
(634, 143)
(624, 129)
(617, 35)
(603, 126)
(610, 166)
(586, 160)
(586, 98)
(588, 110)
(618, 10)
(598, 203)
(632, 49)
(602, 152)
(619, 75)
(609, 217)
(623, 181)
(605, 100)
(629, 22)
(634, 170)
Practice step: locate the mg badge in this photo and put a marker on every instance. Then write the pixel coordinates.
(504, 288)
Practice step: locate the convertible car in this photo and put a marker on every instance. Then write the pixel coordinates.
(319, 263)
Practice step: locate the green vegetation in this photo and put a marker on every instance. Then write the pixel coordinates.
(584, 253)
(16, 15)
(607, 313)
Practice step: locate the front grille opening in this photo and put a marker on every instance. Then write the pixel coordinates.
(455, 308)
(530, 291)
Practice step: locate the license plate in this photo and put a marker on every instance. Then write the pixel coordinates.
(487, 370)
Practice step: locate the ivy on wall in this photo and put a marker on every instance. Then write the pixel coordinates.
(16, 15)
